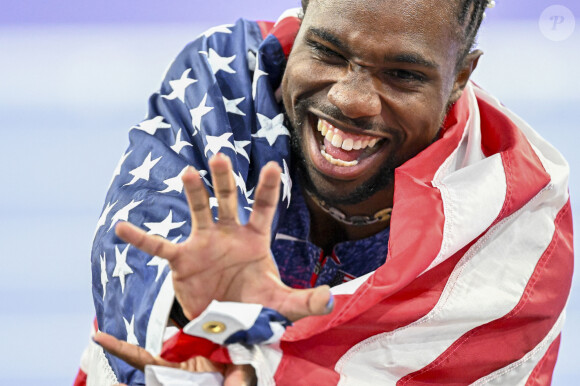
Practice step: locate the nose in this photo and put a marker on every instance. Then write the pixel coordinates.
(355, 94)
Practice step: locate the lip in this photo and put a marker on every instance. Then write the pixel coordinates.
(344, 173)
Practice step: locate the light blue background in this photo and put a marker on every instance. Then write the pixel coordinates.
(75, 76)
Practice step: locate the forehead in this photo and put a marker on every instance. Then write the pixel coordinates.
(375, 28)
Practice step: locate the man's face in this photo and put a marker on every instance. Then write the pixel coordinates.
(366, 88)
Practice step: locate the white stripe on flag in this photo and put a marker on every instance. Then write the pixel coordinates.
(485, 285)
(351, 286)
(472, 187)
(160, 316)
(517, 373)
(551, 159)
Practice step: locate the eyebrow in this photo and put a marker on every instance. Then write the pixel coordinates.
(329, 37)
(410, 58)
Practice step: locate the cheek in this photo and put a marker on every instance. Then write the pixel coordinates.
(419, 117)
(306, 76)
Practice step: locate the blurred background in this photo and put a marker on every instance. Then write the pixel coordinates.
(76, 75)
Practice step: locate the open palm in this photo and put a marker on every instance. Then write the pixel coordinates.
(225, 260)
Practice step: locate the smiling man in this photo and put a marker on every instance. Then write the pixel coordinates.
(346, 177)
(378, 97)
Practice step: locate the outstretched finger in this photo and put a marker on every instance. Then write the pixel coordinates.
(236, 375)
(266, 198)
(136, 356)
(151, 244)
(225, 188)
(307, 302)
(197, 199)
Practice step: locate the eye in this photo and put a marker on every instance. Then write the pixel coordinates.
(406, 76)
(325, 53)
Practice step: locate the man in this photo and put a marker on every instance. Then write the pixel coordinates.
(479, 249)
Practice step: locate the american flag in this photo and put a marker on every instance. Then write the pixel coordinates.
(480, 253)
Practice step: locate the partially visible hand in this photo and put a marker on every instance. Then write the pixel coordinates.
(234, 375)
(224, 260)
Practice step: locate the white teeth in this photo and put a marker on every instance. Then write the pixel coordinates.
(329, 135)
(347, 144)
(322, 128)
(337, 162)
(336, 140)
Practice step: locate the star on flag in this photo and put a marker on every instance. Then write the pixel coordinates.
(219, 63)
(215, 144)
(240, 182)
(174, 183)
(219, 29)
(104, 277)
(258, 73)
(122, 269)
(287, 183)
(271, 129)
(179, 144)
(117, 170)
(142, 172)
(123, 213)
(164, 227)
(240, 145)
(198, 113)
(231, 105)
(130, 327)
(151, 126)
(178, 86)
(103, 218)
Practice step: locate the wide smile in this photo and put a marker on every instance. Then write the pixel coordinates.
(341, 153)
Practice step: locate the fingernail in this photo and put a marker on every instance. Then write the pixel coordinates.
(330, 304)
(97, 343)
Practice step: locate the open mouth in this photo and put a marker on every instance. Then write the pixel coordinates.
(344, 149)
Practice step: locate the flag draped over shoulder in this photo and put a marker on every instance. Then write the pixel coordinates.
(480, 257)
(480, 251)
(217, 96)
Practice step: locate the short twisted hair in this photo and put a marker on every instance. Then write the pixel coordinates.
(469, 17)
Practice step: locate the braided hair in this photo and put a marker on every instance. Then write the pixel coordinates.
(469, 17)
(471, 14)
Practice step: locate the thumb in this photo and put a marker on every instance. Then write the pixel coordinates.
(308, 302)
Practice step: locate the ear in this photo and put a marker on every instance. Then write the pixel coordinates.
(464, 73)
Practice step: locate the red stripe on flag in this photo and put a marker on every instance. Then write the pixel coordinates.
(405, 307)
(303, 372)
(542, 374)
(182, 347)
(81, 379)
(417, 207)
(417, 215)
(285, 31)
(476, 353)
(265, 27)
(524, 171)
(324, 340)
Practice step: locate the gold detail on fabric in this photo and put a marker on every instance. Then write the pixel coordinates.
(213, 327)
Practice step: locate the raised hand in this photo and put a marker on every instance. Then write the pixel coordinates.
(224, 260)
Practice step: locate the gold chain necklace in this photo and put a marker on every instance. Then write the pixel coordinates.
(358, 220)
